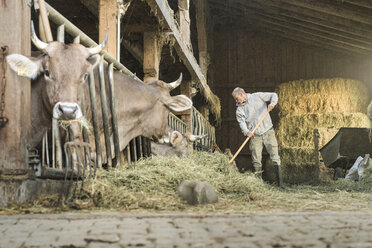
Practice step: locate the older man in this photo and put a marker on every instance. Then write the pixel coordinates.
(250, 109)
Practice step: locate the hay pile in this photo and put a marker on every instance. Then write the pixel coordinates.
(323, 104)
(151, 183)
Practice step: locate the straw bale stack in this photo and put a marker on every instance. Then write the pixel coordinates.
(322, 96)
(323, 104)
(298, 130)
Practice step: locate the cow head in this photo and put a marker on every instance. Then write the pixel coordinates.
(62, 69)
(177, 103)
(176, 144)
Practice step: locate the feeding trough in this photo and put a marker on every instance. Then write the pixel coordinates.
(345, 147)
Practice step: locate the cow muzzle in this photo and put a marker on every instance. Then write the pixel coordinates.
(67, 111)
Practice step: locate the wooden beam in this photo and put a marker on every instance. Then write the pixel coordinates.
(166, 18)
(185, 88)
(316, 31)
(274, 10)
(184, 22)
(321, 37)
(304, 37)
(336, 9)
(135, 50)
(361, 3)
(201, 26)
(281, 8)
(14, 137)
(350, 31)
(151, 56)
(107, 24)
(137, 28)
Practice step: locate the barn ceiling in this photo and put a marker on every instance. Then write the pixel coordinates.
(339, 25)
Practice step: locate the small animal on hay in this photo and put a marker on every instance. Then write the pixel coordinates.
(197, 192)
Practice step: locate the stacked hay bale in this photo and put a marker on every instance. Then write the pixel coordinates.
(323, 104)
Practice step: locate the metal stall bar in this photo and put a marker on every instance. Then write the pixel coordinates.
(176, 123)
(92, 91)
(113, 114)
(57, 146)
(105, 117)
(77, 39)
(61, 33)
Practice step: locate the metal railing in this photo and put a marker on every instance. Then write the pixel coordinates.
(201, 126)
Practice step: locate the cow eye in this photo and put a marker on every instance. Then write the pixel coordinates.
(46, 73)
(85, 76)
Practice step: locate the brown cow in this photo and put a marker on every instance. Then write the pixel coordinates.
(59, 74)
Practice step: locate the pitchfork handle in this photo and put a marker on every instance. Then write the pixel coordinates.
(246, 140)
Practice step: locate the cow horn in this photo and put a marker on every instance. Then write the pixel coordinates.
(41, 45)
(176, 83)
(99, 48)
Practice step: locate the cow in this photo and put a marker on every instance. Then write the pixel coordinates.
(59, 75)
(176, 144)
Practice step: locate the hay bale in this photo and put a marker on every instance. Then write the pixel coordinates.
(322, 96)
(298, 130)
(299, 166)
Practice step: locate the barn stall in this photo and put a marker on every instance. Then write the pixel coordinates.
(218, 45)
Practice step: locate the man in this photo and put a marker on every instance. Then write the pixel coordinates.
(250, 109)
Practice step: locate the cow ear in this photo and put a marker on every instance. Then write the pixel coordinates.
(25, 66)
(94, 60)
(176, 138)
(177, 103)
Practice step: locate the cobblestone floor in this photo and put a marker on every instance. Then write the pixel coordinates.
(312, 229)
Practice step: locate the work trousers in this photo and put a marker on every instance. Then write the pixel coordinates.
(256, 144)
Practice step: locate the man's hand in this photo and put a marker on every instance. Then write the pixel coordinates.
(270, 107)
(250, 134)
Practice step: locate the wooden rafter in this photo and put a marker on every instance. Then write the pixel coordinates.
(320, 21)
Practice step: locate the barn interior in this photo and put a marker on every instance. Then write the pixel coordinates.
(315, 54)
(259, 45)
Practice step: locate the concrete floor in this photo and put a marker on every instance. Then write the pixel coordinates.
(312, 229)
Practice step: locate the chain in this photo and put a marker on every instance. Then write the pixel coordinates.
(4, 51)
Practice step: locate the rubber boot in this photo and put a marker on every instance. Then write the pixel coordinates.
(279, 175)
(258, 172)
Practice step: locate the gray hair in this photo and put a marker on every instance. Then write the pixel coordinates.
(237, 91)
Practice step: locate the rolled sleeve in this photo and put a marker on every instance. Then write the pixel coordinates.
(271, 97)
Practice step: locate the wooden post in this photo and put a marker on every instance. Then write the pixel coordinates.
(184, 21)
(201, 26)
(15, 33)
(185, 88)
(151, 56)
(107, 24)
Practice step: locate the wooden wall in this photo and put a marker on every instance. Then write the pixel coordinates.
(257, 61)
